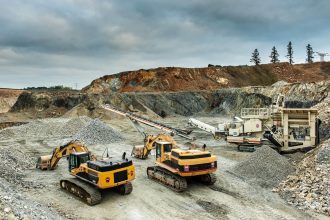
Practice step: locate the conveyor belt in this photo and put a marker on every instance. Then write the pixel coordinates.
(149, 122)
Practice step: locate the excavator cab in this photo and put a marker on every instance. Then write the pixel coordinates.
(77, 158)
(163, 149)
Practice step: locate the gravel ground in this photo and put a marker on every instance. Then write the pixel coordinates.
(18, 206)
(14, 161)
(264, 167)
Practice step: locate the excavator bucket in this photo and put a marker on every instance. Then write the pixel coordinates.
(43, 162)
(137, 151)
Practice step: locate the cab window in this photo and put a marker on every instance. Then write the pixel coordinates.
(167, 147)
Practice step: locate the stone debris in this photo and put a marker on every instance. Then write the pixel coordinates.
(309, 187)
(280, 83)
(6, 133)
(324, 110)
(13, 164)
(218, 211)
(15, 205)
(324, 114)
(97, 132)
(265, 167)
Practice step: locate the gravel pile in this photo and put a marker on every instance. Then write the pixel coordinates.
(74, 125)
(309, 187)
(39, 128)
(264, 167)
(15, 205)
(96, 132)
(83, 129)
(51, 127)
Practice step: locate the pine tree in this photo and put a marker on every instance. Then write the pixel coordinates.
(309, 51)
(274, 56)
(255, 57)
(290, 53)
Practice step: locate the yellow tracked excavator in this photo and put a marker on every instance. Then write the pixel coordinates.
(90, 176)
(174, 166)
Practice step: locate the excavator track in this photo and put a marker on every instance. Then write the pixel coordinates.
(126, 188)
(84, 191)
(208, 179)
(166, 178)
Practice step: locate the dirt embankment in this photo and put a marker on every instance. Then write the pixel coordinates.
(47, 103)
(8, 97)
(210, 78)
(227, 101)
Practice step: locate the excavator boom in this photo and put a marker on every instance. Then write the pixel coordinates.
(49, 162)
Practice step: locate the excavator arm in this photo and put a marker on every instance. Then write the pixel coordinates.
(143, 151)
(50, 162)
(150, 144)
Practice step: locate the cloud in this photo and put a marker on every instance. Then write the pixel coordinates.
(79, 40)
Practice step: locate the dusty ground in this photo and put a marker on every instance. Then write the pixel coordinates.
(229, 198)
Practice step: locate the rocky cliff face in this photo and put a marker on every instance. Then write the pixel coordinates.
(223, 101)
(213, 78)
(47, 104)
(203, 92)
(227, 101)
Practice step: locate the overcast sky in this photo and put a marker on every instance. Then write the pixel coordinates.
(64, 42)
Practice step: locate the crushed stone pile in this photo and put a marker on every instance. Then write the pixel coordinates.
(50, 127)
(265, 167)
(83, 129)
(309, 187)
(40, 128)
(97, 132)
(74, 125)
